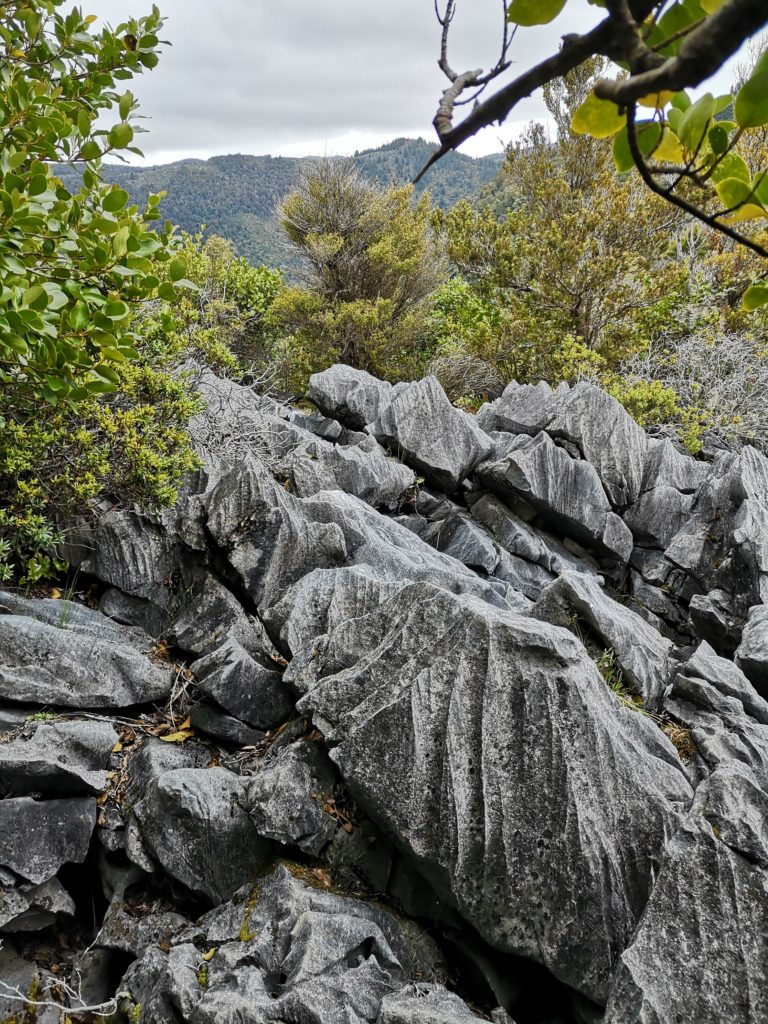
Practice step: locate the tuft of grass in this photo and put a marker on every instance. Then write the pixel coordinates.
(680, 737)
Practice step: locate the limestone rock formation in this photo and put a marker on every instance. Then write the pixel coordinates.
(400, 716)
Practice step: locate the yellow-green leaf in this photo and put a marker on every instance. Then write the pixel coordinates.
(751, 104)
(599, 118)
(756, 296)
(534, 12)
(710, 6)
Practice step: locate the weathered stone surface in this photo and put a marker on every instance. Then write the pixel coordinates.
(125, 930)
(57, 757)
(274, 539)
(700, 952)
(211, 612)
(223, 727)
(431, 435)
(606, 436)
(206, 839)
(128, 550)
(476, 737)
(567, 493)
(243, 685)
(29, 908)
(352, 396)
(286, 951)
(530, 543)
(286, 798)
(369, 475)
(59, 665)
(425, 1004)
(640, 651)
(133, 611)
(752, 654)
(38, 836)
(522, 408)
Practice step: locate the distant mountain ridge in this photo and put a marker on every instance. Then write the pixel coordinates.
(236, 196)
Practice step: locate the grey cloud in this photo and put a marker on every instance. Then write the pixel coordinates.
(255, 75)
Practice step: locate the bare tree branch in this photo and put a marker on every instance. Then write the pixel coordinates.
(618, 37)
(647, 174)
(702, 54)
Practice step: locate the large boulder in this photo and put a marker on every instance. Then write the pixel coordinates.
(273, 539)
(566, 492)
(72, 666)
(38, 836)
(431, 435)
(491, 749)
(60, 757)
(752, 654)
(287, 950)
(369, 475)
(195, 825)
(352, 396)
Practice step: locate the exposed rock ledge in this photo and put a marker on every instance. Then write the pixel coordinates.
(425, 717)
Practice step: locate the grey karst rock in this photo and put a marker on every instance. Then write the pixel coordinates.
(208, 613)
(247, 687)
(522, 408)
(369, 475)
(353, 397)
(710, 616)
(127, 550)
(750, 540)
(705, 666)
(425, 1004)
(641, 652)
(655, 605)
(151, 758)
(38, 836)
(658, 515)
(565, 491)
(286, 951)
(223, 727)
(322, 599)
(273, 539)
(606, 436)
(670, 482)
(478, 739)
(70, 667)
(23, 978)
(195, 825)
(752, 653)
(319, 425)
(286, 798)
(524, 541)
(700, 952)
(29, 908)
(128, 930)
(431, 435)
(133, 611)
(74, 616)
(163, 987)
(63, 758)
(461, 538)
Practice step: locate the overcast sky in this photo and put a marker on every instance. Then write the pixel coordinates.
(299, 77)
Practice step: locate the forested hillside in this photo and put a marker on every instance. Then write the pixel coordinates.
(235, 196)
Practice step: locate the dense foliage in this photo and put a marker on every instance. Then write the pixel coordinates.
(236, 196)
(370, 266)
(85, 406)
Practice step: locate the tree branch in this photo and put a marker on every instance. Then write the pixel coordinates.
(694, 211)
(702, 54)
